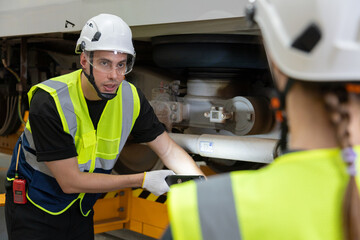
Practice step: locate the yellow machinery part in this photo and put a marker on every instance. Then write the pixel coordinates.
(2, 199)
(136, 210)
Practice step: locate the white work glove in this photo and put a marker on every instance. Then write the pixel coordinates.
(155, 183)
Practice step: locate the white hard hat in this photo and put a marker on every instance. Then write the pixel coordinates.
(313, 40)
(105, 32)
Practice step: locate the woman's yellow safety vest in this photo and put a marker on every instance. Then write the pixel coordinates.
(97, 150)
(299, 196)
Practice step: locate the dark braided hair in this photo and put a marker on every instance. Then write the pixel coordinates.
(336, 97)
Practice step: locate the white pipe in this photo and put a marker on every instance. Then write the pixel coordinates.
(240, 148)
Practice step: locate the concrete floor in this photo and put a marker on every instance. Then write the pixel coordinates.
(123, 234)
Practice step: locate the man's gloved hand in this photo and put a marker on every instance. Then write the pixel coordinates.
(154, 181)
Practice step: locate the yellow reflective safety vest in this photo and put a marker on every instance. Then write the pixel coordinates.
(97, 150)
(298, 196)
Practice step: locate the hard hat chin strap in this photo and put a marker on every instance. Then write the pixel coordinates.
(90, 77)
(281, 95)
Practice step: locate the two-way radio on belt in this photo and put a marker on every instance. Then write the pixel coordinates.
(19, 184)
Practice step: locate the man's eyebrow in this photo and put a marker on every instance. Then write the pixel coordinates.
(102, 59)
(106, 59)
(122, 61)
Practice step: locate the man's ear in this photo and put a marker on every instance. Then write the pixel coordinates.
(83, 61)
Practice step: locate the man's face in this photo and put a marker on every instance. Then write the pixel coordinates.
(108, 69)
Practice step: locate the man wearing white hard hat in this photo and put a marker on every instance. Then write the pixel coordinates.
(78, 125)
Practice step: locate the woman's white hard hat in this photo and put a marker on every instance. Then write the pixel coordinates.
(312, 40)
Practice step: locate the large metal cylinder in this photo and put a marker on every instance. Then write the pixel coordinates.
(249, 149)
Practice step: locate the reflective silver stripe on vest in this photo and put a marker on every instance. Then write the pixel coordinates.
(105, 163)
(127, 118)
(128, 111)
(31, 158)
(68, 109)
(85, 166)
(217, 212)
(66, 104)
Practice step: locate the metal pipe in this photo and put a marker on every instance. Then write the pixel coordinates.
(239, 148)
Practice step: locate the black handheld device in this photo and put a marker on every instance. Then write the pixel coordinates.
(175, 179)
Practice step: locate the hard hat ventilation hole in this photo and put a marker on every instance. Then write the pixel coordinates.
(308, 38)
(96, 37)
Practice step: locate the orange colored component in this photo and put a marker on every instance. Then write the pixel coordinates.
(112, 211)
(135, 226)
(353, 88)
(279, 116)
(136, 210)
(153, 217)
(25, 118)
(152, 231)
(275, 103)
(2, 199)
